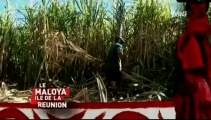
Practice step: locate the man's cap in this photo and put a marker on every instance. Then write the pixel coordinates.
(120, 39)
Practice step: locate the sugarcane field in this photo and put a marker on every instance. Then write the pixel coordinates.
(69, 44)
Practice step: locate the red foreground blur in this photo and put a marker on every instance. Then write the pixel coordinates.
(120, 110)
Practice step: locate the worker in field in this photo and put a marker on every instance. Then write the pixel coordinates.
(113, 66)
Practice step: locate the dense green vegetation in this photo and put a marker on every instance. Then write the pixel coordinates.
(68, 42)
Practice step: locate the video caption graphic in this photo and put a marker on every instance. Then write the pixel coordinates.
(45, 97)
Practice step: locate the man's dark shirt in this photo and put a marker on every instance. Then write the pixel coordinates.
(113, 62)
